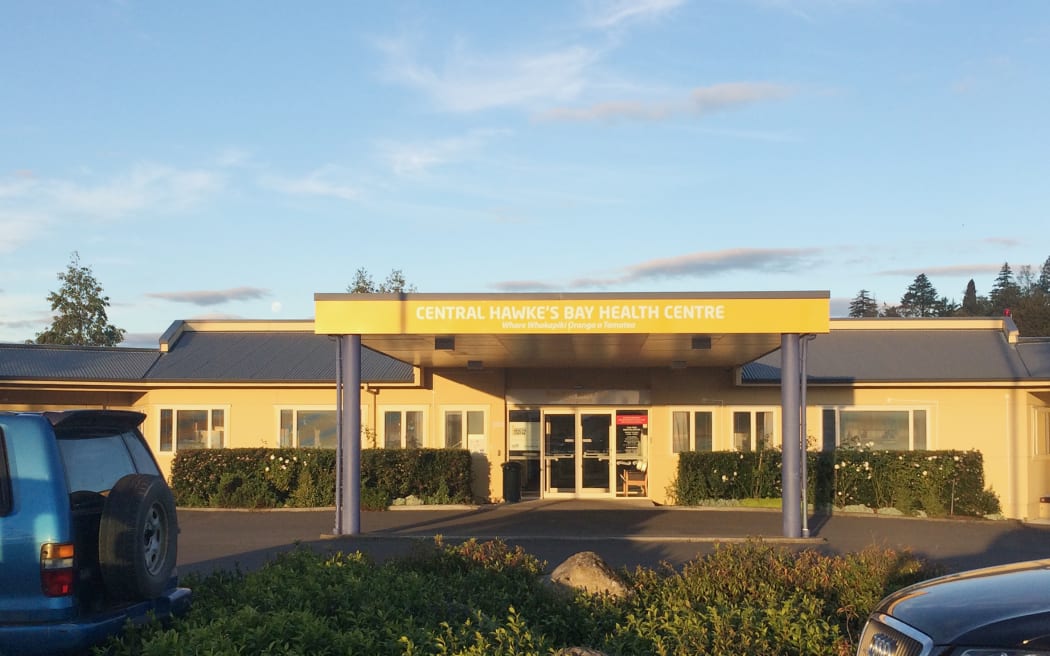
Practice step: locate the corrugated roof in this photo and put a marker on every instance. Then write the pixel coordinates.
(901, 356)
(200, 357)
(89, 363)
(1036, 356)
(266, 357)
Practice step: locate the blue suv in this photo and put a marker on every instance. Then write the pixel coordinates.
(88, 531)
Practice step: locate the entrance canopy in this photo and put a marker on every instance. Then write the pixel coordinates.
(573, 330)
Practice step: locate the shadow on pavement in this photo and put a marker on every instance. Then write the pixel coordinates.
(624, 535)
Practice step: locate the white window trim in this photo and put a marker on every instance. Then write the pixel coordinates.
(716, 418)
(730, 411)
(929, 408)
(191, 406)
(296, 409)
(462, 409)
(1041, 433)
(381, 420)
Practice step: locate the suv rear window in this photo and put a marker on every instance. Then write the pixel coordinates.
(97, 463)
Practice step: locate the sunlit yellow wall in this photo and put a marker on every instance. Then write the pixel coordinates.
(999, 422)
(252, 415)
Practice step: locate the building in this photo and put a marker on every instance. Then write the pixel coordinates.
(580, 389)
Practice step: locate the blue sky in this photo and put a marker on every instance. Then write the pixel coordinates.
(231, 159)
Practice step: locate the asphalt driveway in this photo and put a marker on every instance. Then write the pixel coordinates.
(624, 533)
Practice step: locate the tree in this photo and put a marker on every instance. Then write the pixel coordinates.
(863, 305)
(920, 300)
(1005, 292)
(970, 305)
(394, 284)
(945, 307)
(1043, 281)
(81, 308)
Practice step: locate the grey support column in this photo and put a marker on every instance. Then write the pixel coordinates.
(791, 473)
(348, 501)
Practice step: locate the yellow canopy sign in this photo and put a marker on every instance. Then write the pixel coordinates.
(423, 314)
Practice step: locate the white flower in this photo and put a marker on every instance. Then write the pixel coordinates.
(724, 478)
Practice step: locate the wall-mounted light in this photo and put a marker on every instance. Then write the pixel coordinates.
(444, 343)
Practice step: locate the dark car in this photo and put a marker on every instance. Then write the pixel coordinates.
(88, 531)
(997, 611)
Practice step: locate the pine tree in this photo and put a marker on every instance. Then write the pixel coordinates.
(970, 306)
(863, 305)
(81, 308)
(1005, 292)
(1043, 281)
(920, 300)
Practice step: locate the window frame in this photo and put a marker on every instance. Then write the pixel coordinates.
(402, 409)
(1041, 432)
(775, 439)
(692, 412)
(293, 441)
(911, 409)
(174, 437)
(463, 411)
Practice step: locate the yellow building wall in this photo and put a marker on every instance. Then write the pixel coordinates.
(1001, 423)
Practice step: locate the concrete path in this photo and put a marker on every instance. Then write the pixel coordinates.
(625, 533)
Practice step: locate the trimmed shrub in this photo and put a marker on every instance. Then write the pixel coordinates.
(305, 478)
(937, 483)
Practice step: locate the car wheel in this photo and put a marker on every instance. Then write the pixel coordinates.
(138, 538)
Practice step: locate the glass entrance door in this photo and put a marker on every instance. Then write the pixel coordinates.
(559, 452)
(594, 452)
(577, 454)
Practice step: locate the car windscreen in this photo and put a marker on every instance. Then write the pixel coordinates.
(95, 463)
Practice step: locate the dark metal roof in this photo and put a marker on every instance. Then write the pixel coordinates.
(220, 357)
(848, 356)
(1035, 353)
(266, 357)
(52, 362)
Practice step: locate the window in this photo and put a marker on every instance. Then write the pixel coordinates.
(692, 430)
(308, 428)
(464, 427)
(754, 430)
(192, 428)
(890, 429)
(1042, 432)
(403, 428)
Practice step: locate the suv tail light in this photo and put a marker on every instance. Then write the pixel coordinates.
(56, 569)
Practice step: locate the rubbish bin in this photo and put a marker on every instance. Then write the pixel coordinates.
(511, 482)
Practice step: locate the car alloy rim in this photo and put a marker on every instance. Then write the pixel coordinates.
(153, 539)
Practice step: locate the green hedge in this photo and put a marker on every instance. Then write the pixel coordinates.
(305, 478)
(937, 483)
(488, 599)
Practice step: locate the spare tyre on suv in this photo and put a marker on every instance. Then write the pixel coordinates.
(88, 530)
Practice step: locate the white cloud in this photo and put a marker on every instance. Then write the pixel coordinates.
(212, 296)
(470, 83)
(701, 101)
(328, 181)
(145, 186)
(701, 264)
(606, 15)
(413, 158)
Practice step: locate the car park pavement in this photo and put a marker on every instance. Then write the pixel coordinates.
(625, 533)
